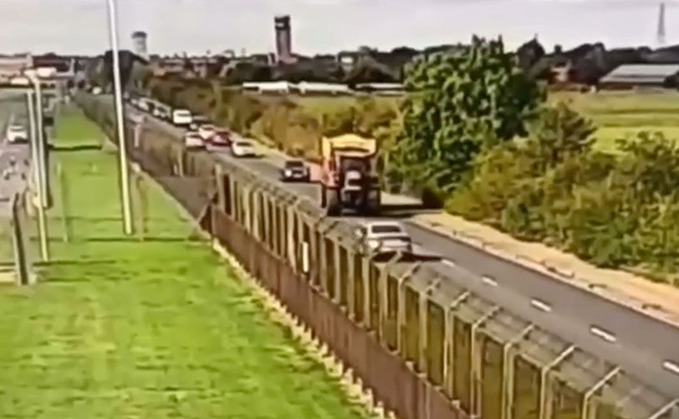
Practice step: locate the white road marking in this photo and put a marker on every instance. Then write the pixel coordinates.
(489, 281)
(671, 367)
(541, 305)
(448, 263)
(607, 336)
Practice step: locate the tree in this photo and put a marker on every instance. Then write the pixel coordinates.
(127, 61)
(559, 133)
(462, 103)
(650, 165)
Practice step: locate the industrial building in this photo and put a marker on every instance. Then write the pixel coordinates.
(629, 76)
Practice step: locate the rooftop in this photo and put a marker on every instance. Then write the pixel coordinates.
(641, 73)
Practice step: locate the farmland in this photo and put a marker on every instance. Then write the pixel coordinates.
(617, 114)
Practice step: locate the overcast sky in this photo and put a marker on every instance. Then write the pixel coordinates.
(79, 26)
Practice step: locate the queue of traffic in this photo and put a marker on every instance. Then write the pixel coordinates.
(201, 133)
(384, 237)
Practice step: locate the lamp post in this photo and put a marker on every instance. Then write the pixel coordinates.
(39, 138)
(120, 116)
(38, 177)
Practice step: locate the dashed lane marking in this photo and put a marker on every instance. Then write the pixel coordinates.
(541, 305)
(603, 334)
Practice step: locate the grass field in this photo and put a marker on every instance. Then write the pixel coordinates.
(161, 328)
(618, 114)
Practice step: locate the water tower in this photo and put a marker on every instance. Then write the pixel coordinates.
(139, 41)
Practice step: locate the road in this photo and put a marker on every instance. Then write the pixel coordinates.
(14, 158)
(643, 346)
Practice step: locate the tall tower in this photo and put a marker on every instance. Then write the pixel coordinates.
(661, 25)
(283, 38)
(139, 41)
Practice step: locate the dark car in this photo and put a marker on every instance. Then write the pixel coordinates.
(199, 120)
(295, 170)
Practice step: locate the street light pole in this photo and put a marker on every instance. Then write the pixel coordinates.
(38, 179)
(38, 137)
(42, 169)
(120, 116)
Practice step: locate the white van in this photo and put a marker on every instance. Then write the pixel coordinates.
(181, 117)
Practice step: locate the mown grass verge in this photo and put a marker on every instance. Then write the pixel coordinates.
(159, 328)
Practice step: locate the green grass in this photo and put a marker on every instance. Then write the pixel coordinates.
(161, 328)
(619, 114)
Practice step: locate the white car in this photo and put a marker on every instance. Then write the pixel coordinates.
(193, 141)
(17, 134)
(243, 148)
(206, 131)
(181, 117)
(143, 104)
(385, 237)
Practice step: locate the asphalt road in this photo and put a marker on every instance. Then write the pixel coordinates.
(644, 347)
(14, 158)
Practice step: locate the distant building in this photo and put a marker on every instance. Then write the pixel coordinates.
(139, 42)
(641, 75)
(14, 65)
(283, 39)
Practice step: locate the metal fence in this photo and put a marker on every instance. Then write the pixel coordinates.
(19, 254)
(426, 347)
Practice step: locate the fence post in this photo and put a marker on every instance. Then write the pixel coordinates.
(180, 163)
(219, 177)
(143, 205)
(63, 189)
(20, 261)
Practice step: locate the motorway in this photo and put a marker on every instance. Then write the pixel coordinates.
(14, 158)
(644, 347)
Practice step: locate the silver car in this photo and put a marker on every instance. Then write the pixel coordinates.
(17, 134)
(385, 237)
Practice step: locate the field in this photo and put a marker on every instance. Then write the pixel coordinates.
(159, 328)
(618, 114)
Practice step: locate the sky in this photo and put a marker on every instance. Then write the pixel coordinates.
(326, 26)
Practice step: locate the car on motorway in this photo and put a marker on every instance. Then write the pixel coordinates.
(199, 120)
(243, 148)
(206, 131)
(144, 104)
(17, 134)
(295, 170)
(385, 237)
(221, 138)
(193, 141)
(181, 117)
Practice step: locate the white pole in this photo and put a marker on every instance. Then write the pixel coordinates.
(118, 98)
(37, 178)
(33, 141)
(42, 170)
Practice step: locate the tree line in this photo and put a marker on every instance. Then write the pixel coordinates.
(586, 64)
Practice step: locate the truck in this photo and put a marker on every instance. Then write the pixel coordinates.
(348, 175)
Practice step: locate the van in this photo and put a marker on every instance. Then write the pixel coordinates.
(181, 117)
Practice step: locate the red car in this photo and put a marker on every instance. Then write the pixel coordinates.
(221, 138)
